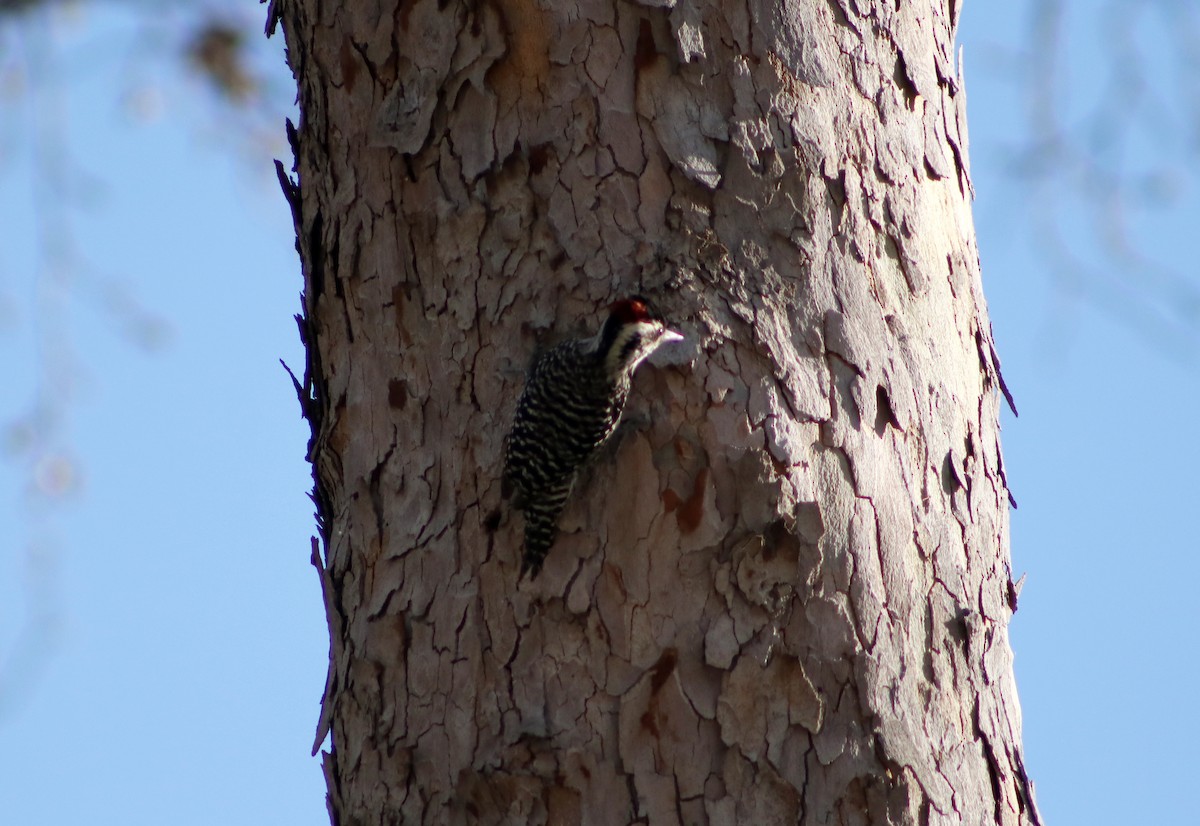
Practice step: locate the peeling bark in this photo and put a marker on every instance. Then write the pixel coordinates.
(783, 596)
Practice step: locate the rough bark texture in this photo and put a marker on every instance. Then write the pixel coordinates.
(783, 596)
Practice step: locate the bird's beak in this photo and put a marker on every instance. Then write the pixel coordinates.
(670, 335)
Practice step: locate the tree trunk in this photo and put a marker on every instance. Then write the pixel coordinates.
(783, 595)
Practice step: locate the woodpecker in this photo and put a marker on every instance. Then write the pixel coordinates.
(571, 404)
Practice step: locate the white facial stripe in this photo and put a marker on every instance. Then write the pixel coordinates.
(652, 335)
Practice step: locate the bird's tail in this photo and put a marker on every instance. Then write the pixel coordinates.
(541, 528)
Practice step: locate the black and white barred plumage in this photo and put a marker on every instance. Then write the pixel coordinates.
(571, 405)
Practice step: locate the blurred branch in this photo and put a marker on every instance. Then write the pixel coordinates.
(44, 48)
(1113, 152)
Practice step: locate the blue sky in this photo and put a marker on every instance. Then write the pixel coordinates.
(162, 640)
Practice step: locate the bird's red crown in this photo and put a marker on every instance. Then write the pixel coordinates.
(631, 310)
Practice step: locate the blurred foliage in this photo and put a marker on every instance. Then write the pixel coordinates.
(219, 42)
(217, 51)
